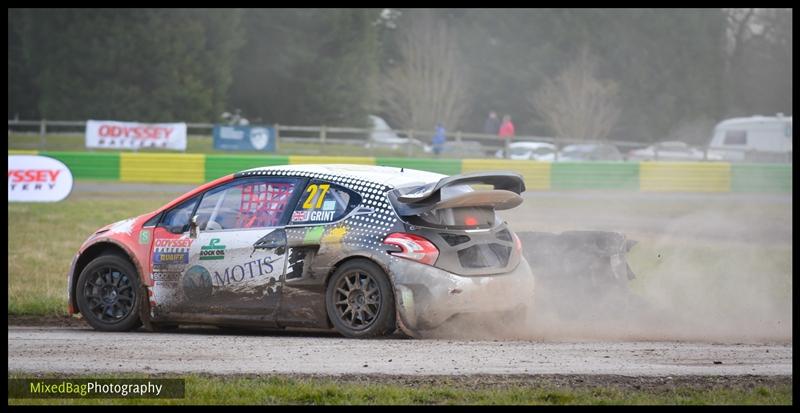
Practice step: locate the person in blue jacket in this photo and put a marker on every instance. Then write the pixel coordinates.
(439, 138)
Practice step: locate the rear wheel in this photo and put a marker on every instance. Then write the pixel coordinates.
(107, 294)
(360, 300)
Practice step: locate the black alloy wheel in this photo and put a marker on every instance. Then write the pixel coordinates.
(107, 294)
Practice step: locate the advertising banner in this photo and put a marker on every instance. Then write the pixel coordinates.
(244, 138)
(135, 135)
(37, 179)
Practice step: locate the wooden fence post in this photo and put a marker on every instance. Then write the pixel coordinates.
(43, 134)
(277, 137)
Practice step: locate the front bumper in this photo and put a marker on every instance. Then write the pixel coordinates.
(427, 296)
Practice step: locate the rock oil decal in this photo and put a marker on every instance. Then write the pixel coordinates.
(212, 251)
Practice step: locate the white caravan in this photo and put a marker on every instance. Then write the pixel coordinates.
(753, 139)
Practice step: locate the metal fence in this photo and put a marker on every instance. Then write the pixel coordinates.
(35, 134)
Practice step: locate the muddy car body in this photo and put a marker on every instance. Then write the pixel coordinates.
(362, 249)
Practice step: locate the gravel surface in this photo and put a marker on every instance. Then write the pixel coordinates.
(80, 350)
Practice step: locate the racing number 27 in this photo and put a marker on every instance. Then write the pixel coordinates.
(312, 191)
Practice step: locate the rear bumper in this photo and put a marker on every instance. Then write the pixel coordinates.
(426, 296)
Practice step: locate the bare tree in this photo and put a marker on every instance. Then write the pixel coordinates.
(429, 84)
(576, 104)
(758, 60)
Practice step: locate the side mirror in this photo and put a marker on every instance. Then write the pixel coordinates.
(193, 227)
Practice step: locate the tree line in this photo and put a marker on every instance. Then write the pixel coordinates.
(629, 74)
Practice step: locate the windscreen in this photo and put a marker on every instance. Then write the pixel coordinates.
(520, 151)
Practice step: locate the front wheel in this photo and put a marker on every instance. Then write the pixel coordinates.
(360, 300)
(107, 294)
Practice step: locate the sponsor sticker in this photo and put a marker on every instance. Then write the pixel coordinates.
(335, 235)
(245, 271)
(313, 235)
(144, 236)
(165, 276)
(212, 251)
(329, 205)
(170, 256)
(177, 242)
(299, 216)
(170, 252)
(197, 283)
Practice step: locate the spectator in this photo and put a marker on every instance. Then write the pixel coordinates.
(506, 128)
(492, 124)
(439, 138)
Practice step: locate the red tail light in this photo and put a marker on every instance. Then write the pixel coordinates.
(517, 242)
(413, 247)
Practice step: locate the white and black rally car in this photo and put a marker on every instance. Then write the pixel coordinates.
(362, 249)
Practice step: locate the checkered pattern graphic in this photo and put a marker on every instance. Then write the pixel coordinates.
(366, 230)
(263, 204)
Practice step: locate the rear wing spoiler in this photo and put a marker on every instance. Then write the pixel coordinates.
(414, 200)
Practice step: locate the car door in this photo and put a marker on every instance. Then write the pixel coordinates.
(234, 258)
(317, 239)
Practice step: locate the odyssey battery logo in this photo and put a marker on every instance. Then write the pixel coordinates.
(170, 252)
(37, 179)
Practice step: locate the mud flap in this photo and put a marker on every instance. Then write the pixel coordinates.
(146, 315)
(144, 308)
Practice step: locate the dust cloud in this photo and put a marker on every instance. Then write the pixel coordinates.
(713, 268)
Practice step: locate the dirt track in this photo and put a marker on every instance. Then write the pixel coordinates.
(80, 350)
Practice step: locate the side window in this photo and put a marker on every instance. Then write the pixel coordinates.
(736, 137)
(323, 202)
(248, 203)
(176, 220)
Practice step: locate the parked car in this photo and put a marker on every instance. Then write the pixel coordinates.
(465, 149)
(670, 151)
(536, 151)
(757, 138)
(589, 152)
(382, 136)
(361, 249)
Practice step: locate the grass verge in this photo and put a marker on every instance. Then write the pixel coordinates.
(460, 390)
(42, 239)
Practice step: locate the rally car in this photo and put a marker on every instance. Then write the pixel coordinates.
(361, 249)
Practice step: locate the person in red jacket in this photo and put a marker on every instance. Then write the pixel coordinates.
(506, 128)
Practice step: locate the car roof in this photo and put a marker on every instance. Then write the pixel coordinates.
(385, 175)
(583, 146)
(753, 119)
(672, 143)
